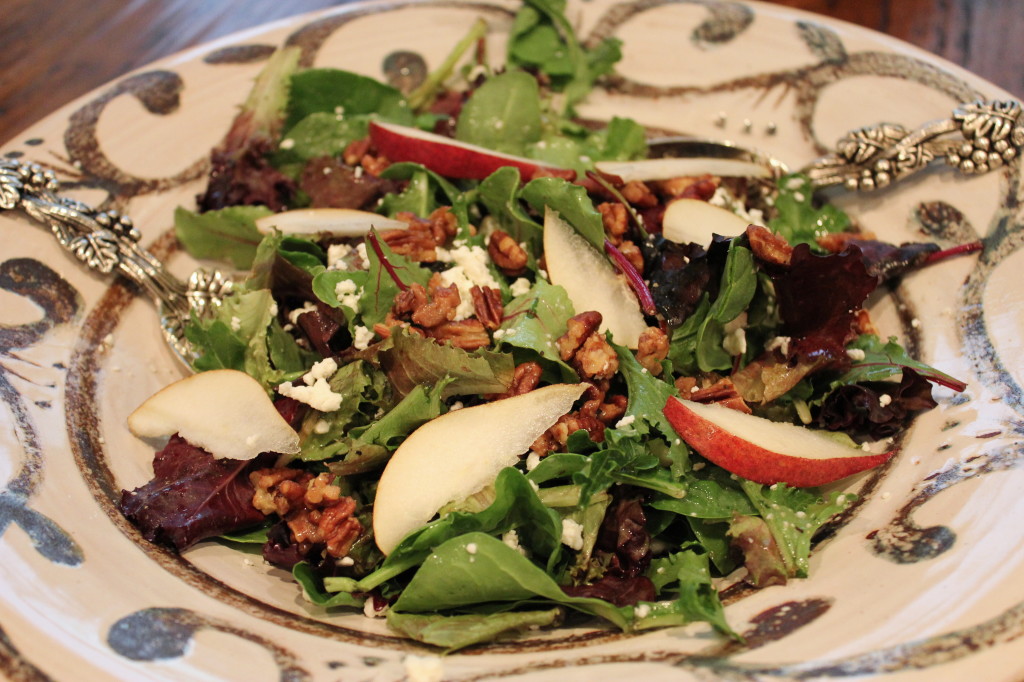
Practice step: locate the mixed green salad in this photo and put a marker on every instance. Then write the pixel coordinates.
(449, 296)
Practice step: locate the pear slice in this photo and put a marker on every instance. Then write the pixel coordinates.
(457, 454)
(765, 451)
(692, 220)
(667, 168)
(341, 222)
(591, 282)
(223, 411)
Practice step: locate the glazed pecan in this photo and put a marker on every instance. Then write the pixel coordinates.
(416, 242)
(632, 253)
(444, 300)
(278, 490)
(837, 241)
(652, 348)
(443, 224)
(332, 525)
(506, 253)
(488, 306)
(525, 378)
(615, 219)
(465, 334)
(689, 187)
(578, 328)
(769, 246)
(355, 151)
(639, 194)
(596, 359)
(722, 392)
(863, 323)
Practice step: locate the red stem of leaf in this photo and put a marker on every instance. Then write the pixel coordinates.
(959, 250)
(636, 281)
(375, 243)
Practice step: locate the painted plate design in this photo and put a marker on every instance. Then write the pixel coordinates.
(920, 581)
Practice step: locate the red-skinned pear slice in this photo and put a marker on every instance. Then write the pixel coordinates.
(693, 220)
(342, 222)
(457, 454)
(591, 282)
(450, 157)
(765, 451)
(668, 168)
(223, 411)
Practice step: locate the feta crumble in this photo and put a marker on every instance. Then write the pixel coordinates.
(363, 337)
(572, 534)
(423, 668)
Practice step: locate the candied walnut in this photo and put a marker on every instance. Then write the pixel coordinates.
(639, 194)
(444, 300)
(415, 242)
(506, 253)
(488, 306)
(443, 224)
(332, 525)
(863, 324)
(722, 392)
(596, 359)
(465, 334)
(632, 253)
(525, 378)
(652, 348)
(278, 490)
(578, 328)
(355, 151)
(769, 246)
(615, 218)
(835, 242)
(689, 187)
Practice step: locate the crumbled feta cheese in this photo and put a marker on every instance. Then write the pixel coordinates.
(642, 610)
(336, 255)
(322, 426)
(423, 668)
(884, 399)
(346, 561)
(361, 252)
(348, 294)
(855, 354)
(363, 337)
(457, 405)
(498, 333)
(370, 612)
(287, 143)
(469, 270)
(520, 286)
(236, 323)
(532, 461)
(779, 343)
(511, 539)
(625, 421)
(324, 369)
(471, 548)
(735, 341)
(319, 396)
(293, 316)
(572, 534)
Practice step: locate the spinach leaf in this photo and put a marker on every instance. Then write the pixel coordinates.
(535, 320)
(459, 631)
(798, 219)
(224, 234)
(503, 114)
(344, 93)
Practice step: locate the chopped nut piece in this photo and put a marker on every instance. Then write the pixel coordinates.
(638, 194)
(415, 242)
(652, 348)
(443, 225)
(465, 334)
(769, 246)
(578, 328)
(615, 219)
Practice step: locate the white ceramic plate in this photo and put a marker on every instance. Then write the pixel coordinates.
(921, 582)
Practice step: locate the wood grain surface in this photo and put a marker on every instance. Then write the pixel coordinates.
(56, 50)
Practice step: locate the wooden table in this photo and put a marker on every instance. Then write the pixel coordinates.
(55, 50)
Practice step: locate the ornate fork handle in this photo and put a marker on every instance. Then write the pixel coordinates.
(977, 138)
(106, 241)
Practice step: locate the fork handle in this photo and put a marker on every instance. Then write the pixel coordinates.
(978, 137)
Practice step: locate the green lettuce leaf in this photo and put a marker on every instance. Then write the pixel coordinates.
(456, 632)
(228, 234)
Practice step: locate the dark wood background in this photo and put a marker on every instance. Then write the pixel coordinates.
(52, 51)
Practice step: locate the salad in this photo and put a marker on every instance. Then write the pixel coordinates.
(478, 382)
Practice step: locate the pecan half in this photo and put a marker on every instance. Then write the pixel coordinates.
(506, 253)
(465, 334)
(488, 306)
(652, 348)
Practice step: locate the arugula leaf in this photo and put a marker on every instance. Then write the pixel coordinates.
(536, 319)
(571, 202)
(503, 114)
(225, 234)
(339, 92)
(456, 632)
(798, 219)
(319, 134)
(476, 568)
(710, 494)
(794, 515)
(688, 573)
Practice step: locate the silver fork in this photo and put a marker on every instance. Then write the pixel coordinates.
(106, 241)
